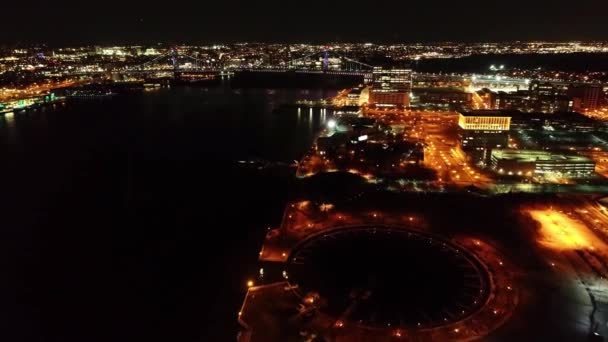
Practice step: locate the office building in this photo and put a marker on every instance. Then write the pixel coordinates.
(541, 163)
(486, 120)
(391, 87)
(481, 131)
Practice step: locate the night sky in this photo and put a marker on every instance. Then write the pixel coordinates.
(203, 21)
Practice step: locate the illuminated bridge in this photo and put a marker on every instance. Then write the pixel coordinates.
(176, 63)
(173, 62)
(324, 62)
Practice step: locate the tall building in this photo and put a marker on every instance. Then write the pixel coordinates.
(391, 87)
(585, 97)
(481, 131)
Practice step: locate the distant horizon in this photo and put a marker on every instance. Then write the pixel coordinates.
(167, 43)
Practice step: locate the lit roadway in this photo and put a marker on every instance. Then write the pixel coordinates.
(37, 89)
(443, 154)
(598, 114)
(438, 131)
(478, 101)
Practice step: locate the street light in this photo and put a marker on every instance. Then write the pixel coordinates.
(331, 124)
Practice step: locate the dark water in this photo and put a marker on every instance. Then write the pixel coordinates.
(128, 219)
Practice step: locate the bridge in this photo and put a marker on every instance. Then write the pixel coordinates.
(320, 63)
(326, 62)
(175, 63)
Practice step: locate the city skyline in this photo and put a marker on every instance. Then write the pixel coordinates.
(270, 171)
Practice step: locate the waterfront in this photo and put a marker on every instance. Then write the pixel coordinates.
(141, 215)
(115, 209)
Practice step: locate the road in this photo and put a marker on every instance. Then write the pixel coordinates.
(37, 89)
(438, 131)
(478, 101)
(443, 153)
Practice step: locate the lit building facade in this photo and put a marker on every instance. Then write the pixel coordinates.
(484, 120)
(528, 163)
(482, 131)
(391, 87)
(357, 96)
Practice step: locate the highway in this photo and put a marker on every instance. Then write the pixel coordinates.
(443, 153)
(37, 89)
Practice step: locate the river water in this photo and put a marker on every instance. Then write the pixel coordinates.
(130, 218)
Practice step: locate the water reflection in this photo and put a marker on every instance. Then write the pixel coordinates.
(9, 119)
(186, 122)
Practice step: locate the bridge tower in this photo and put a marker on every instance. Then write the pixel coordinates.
(174, 62)
(325, 60)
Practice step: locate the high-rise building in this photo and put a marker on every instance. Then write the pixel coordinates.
(391, 87)
(481, 131)
(585, 97)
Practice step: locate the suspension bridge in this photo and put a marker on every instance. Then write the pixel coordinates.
(176, 63)
(320, 62)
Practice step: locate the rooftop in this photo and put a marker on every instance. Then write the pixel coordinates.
(538, 155)
(485, 112)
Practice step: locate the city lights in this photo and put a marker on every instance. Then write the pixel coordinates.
(440, 191)
(559, 231)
